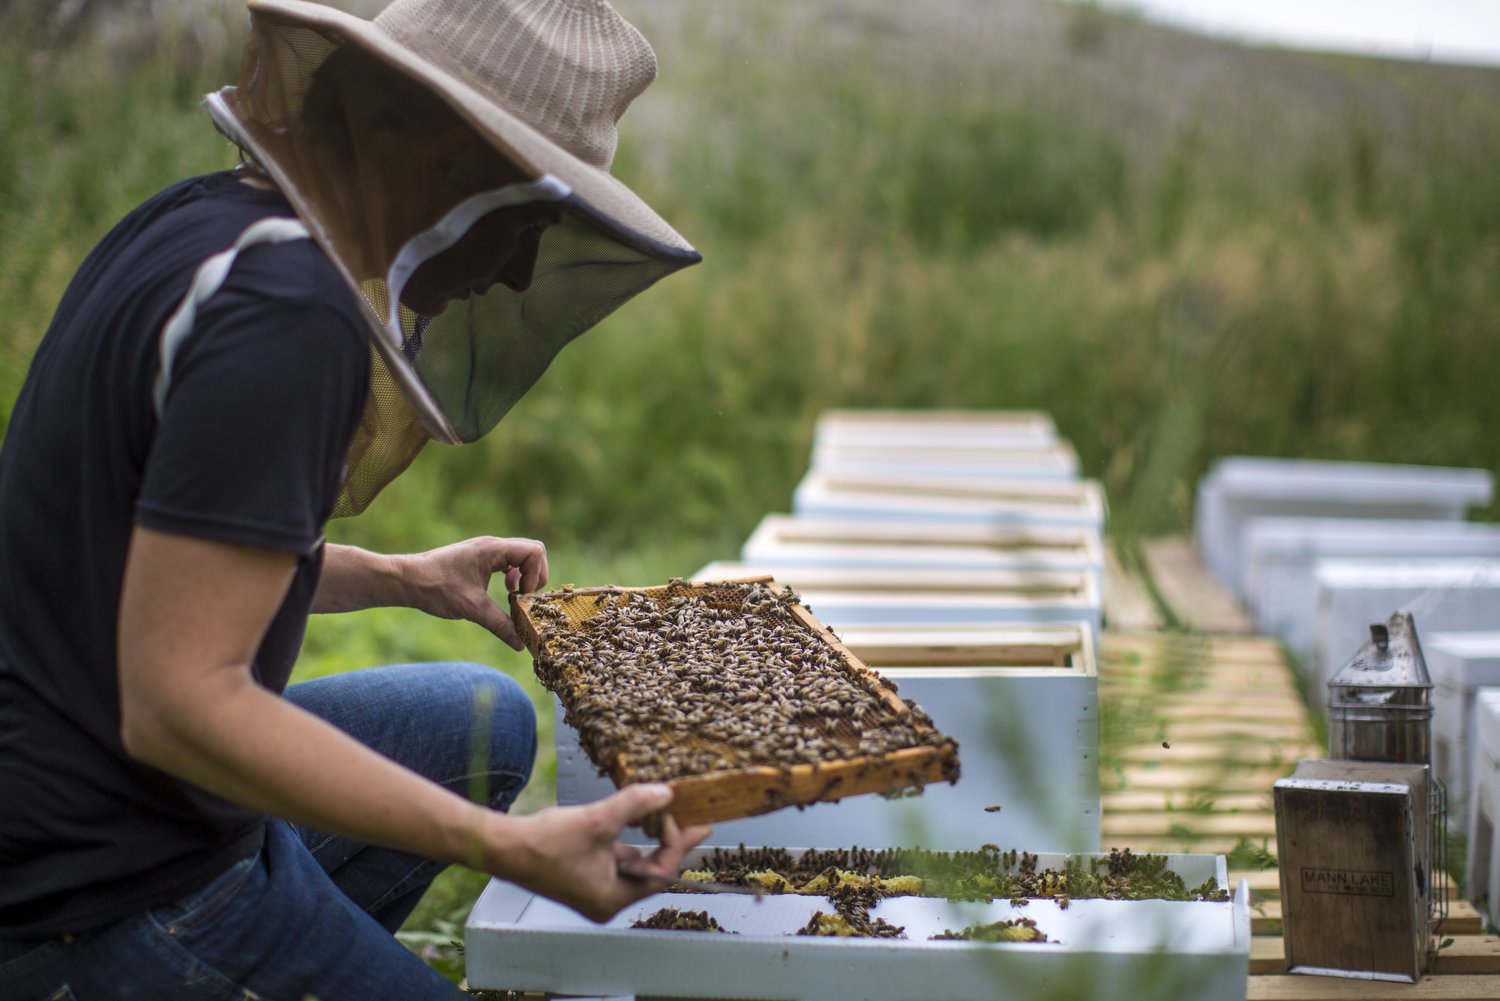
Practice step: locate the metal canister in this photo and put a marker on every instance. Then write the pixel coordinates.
(1380, 703)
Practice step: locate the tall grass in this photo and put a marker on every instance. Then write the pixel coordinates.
(906, 238)
(1302, 272)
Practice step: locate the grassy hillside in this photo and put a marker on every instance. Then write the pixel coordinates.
(1179, 248)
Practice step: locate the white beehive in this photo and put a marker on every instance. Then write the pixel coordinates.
(1003, 429)
(1444, 595)
(914, 581)
(1057, 461)
(1482, 866)
(786, 540)
(1104, 950)
(848, 597)
(1280, 555)
(1460, 664)
(1022, 702)
(1023, 503)
(1240, 487)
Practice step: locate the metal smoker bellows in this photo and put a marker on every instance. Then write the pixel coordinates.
(1361, 834)
(1380, 709)
(1380, 704)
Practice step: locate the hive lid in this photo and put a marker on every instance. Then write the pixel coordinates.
(1391, 659)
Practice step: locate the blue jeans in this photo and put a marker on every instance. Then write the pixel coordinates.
(311, 914)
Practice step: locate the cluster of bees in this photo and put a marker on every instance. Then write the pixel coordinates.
(729, 863)
(983, 875)
(856, 879)
(851, 919)
(672, 919)
(687, 680)
(1014, 930)
(898, 871)
(851, 915)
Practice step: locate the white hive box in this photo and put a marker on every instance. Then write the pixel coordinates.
(786, 540)
(847, 597)
(1443, 595)
(1460, 664)
(1005, 429)
(1280, 555)
(1103, 950)
(1024, 503)
(1057, 461)
(1022, 702)
(914, 581)
(1239, 488)
(1482, 867)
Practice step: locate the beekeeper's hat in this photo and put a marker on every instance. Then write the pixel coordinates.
(542, 83)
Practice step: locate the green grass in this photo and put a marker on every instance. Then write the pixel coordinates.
(1287, 254)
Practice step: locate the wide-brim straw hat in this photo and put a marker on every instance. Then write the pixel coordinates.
(544, 81)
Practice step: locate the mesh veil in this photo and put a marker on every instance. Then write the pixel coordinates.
(453, 375)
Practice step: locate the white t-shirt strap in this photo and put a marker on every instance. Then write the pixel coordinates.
(208, 279)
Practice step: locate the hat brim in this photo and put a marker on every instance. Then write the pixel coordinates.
(615, 204)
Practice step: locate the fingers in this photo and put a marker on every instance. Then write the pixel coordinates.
(524, 562)
(607, 817)
(533, 567)
(489, 615)
(694, 836)
(462, 591)
(666, 860)
(633, 803)
(675, 843)
(505, 629)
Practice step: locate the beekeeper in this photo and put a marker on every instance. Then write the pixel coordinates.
(424, 218)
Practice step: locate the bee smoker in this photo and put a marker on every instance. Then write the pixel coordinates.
(1361, 834)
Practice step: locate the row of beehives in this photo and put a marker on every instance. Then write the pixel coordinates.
(1319, 550)
(960, 555)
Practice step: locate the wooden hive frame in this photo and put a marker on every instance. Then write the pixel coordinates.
(745, 792)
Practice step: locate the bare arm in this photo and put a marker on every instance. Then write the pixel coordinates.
(451, 582)
(193, 612)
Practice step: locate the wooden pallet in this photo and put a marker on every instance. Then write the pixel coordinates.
(1195, 597)
(1229, 711)
(1128, 605)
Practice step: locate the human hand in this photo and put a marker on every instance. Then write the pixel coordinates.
(453, 582)
(571, 853)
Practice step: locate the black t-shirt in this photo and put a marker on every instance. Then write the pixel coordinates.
(265, 395)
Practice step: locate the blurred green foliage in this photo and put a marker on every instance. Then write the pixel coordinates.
(898, 239)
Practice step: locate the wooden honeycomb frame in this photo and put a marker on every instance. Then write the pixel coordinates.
(745, 792)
